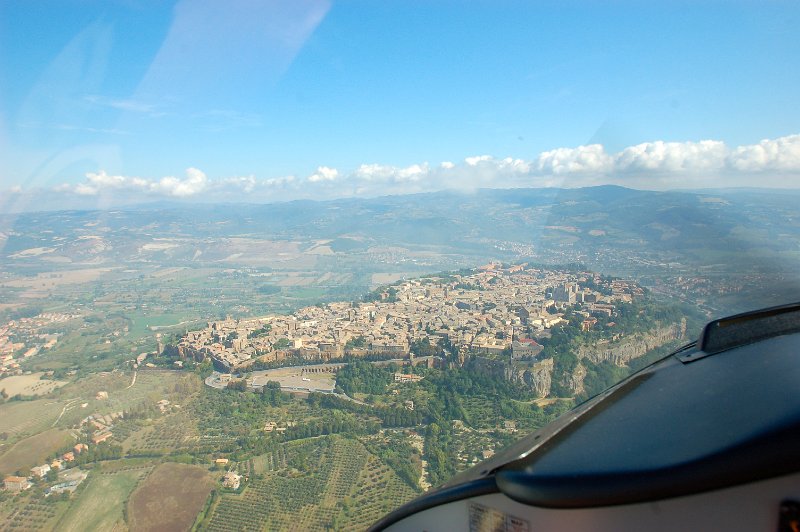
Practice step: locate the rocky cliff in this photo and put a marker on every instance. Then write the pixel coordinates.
(538, 375)
(575, 379)
(622, 351)
(535, 375)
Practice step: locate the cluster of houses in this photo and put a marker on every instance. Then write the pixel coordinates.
(102, 424)
(272, 426)
(407, 377)
(16, 483)
(20, 339)
(231, 479)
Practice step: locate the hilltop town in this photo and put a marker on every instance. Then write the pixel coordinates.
(491, 311)
(419, 379)
(26, 337)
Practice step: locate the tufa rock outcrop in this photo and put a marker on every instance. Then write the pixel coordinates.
(623, 351)
(538, 375)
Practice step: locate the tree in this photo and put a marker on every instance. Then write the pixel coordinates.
(361, 376)
(263, 331)
(357, 342)
(423, 347)
(204, 369)
(238, 385)
(282, 343)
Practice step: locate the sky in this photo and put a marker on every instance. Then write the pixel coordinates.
(121, 101)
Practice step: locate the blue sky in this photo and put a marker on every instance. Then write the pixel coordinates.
(267, 100)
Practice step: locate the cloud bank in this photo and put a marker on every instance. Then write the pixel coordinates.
(194, 183)
(649, 165)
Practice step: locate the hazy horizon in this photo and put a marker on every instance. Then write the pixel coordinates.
(49, 200)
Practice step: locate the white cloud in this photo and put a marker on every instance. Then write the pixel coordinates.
(370, 172)
(479, 171)
(781, 154)
(83, 189)
(244, 183)
(391, 174)
(653, 165)
(475, 161)
(102, 183)
(662, 156)
(279, 181)
(249, 184)
(324, 173)
(195, 182)
(656, 164)
(517, 166)
(583, 159)
(103, 180)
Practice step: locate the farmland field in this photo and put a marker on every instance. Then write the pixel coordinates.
(306, 485)
(169, 433)
(33, 451)
(149, 383)
(19, 418)
(378, 491)
(28, 385)
(29, 512)
(170, 498)
(100, 506)
(123, 392)
(142, 322)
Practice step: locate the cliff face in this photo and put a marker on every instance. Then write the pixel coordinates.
(538, 376)
(623, 351)
(575, 380)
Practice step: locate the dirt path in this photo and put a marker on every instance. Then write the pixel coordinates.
(418, 443)
(132, 381)
(66, 406)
